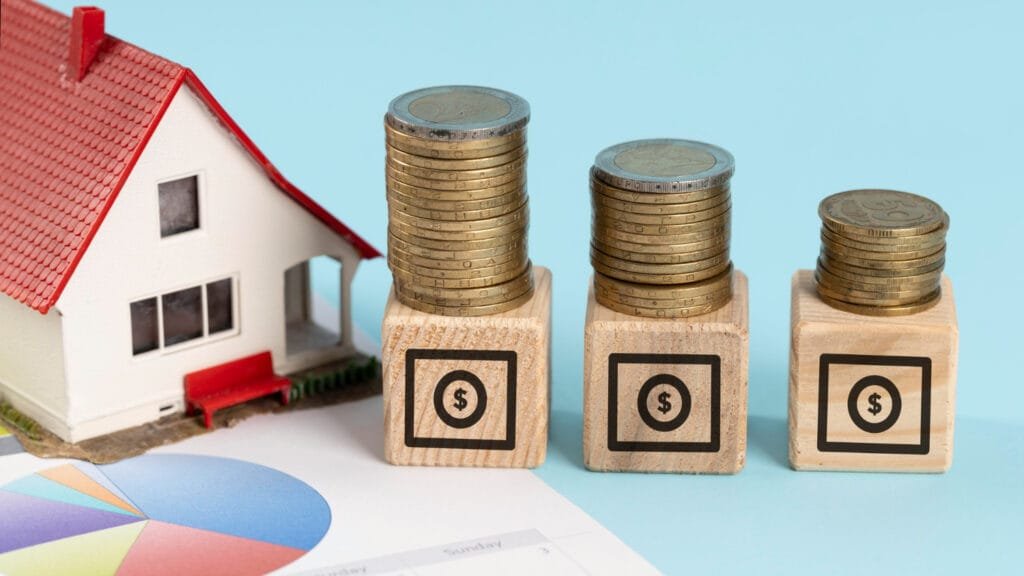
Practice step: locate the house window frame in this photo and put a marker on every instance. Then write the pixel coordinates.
(207, 338)
(200, 230)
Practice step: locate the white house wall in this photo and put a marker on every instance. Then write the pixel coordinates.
(32, 363)
(249, 229)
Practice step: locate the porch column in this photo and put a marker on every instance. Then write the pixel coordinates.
(348, 272)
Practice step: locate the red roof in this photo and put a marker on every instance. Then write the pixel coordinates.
(67, 147)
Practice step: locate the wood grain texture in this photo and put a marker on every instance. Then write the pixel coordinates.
(511, 349)
(847, 348)
(624, 352)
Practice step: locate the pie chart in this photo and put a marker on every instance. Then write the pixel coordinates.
(158, 514)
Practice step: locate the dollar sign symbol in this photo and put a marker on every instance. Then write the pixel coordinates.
(663, 404)
(876, 407)
(460, 399)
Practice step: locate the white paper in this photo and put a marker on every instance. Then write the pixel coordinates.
(406, 520)
(380, 511)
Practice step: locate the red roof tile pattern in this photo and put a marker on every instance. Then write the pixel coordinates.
(67, 147)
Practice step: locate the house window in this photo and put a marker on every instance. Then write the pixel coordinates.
(219, 306)
(145, 326)
(179, 206)
(188, 315)
(183, 315)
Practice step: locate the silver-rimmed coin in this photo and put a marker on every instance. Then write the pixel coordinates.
(664, 165)
(453, 113)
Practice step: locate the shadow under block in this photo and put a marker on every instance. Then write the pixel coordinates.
(666, 395)
(871, 393)
(468, 391)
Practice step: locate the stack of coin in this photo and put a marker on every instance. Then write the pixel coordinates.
(661, 222)
(882, 252)
(457, 203)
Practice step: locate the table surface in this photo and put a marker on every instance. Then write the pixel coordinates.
(811, 99)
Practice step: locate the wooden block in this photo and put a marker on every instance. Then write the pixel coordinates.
(663, 395)
(871, 393)
(468, 391)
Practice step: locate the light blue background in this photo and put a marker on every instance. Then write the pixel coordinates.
(811, 98)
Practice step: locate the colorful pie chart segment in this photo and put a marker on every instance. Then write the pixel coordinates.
(158, 514)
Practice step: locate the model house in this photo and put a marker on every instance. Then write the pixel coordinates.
(143, 236)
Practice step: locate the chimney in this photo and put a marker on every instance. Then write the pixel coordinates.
(87, 35)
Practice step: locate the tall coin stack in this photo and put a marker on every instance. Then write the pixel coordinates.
(661, 223)
(882, 252)
(457, 201)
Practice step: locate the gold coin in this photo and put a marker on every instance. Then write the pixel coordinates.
(634, 243)
(653, 304)
(515, 256)
(463, 250)
(886, 213)
(660, 279)
(663, 219)
(833, 264)
(481, 268)
(869, 300)
(460, 175)
(707, 258)
(688, 263)
(467, 311)
(519, 215)
(896, 243)
(448, 236)
(870, 297)
(516, 136)
(455, 165)
(440, 250)
(936, 236)
(924, 282)
(902, 244)
(452, 287)
(676, 257)
(451, 195)
(656, 209)
(902, 310)
(602, 187)
(848, 291)
(672, 292)
(911, 264)
(457, 205)
(406, 263)
(511, 258)
(464, 288)
(442, 216)
(395, 187)
(843, 251)
(516, 236)
(462, 302)
(456, 185)
(654, 234)
(452, 153)
(682, 312)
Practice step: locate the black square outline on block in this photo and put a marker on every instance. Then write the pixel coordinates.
(413, 441)
(712, 360)
(925, 364)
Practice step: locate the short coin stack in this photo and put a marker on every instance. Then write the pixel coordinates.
(661, 223)
(882, 252)
(457, 203)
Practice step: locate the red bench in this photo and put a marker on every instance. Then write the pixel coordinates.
(232, 383)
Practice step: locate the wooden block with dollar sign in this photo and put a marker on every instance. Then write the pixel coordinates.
(871, 393)
(468, 391)
(666, 395)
